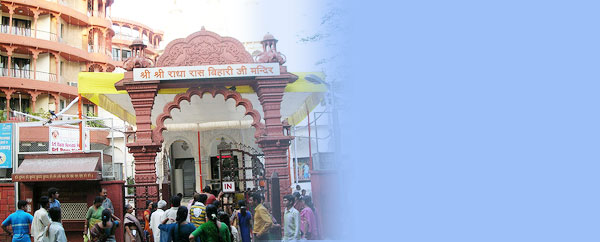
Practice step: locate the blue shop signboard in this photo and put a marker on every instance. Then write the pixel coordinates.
(6, 145)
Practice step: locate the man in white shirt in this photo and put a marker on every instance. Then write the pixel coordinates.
(155, 219)
(291, 220)
(40, 218)
(56, 231)
(172, 212)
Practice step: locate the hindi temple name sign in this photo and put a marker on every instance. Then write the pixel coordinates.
(202, 72)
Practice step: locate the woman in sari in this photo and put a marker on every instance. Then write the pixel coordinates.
(133, 229)
(212, 230)
(93, 215)
(147, 213)
(105, 231)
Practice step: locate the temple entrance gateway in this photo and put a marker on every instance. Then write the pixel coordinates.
(204, 64)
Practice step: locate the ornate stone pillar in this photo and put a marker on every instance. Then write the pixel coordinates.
(8, 93)
(104, 8)
(36, 15)
(57, 25)
(34, 55)
(34, 96)
(95, 8)
(274, 143)
(96, 44)
(11, 11)
(57, 67)
(9, 52)
(144, 149)
(56, 101)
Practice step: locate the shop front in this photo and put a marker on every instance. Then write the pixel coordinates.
(78, 178)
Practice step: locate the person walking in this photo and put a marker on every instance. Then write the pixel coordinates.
(40, 218)
(198, 210)
(53, 197)
(20, 222)
(181, 229)
(147, 213)
(224, 218)
(263, 221)
(243, 220)
(133, 230)
(212, 230)
(291, 220)
(104, 231)
(170, 216)
(155, 221)
(172, 212)
(308, 220)
(210, 198)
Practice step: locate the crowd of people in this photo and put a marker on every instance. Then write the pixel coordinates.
(202, 219)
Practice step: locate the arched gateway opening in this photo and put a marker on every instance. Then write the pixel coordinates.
(206, 63)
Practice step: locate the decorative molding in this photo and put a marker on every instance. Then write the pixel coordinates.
(239, 101)
(204, 48)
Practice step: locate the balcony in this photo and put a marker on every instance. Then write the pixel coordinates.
(28, 74)
(38, 34)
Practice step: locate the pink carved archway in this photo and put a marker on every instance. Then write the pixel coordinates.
(227, 94)
(204, 48)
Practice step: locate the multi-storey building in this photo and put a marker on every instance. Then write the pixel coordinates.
(44, 44)
(126, 31)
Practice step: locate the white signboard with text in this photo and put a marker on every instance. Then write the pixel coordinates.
(202, 72)
(228, 186)
(66, 139)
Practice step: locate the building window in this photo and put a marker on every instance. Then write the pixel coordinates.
(20, 67)
(19, 104)
(62, 70)
(126, 54)
(88, 109)
(3, 63)
(19, 26)
(116, 54)
(62, 30)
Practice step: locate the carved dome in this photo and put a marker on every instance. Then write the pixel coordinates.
(269, 36)
(204, 48)
(137, 42)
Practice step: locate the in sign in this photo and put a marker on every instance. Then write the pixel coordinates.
(228, 186)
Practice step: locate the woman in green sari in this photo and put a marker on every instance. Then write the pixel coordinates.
(94, 214)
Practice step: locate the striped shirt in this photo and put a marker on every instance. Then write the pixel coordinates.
(20, 222)
(198, 214)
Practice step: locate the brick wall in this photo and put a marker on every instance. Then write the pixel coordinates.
(7, 204)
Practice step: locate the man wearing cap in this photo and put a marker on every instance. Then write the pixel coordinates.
(155, 220)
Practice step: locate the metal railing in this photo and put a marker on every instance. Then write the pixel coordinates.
(36, 33)
(28, 74)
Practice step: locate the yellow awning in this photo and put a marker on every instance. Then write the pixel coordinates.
(96, 85)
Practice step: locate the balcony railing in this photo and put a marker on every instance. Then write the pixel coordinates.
(39, 34)
(28, 74)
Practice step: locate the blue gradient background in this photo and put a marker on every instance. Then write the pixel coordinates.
(472, 121)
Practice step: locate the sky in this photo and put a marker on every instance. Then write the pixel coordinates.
(245, 20)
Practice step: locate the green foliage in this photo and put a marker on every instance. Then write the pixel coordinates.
(130, 181)
(96, 123)
(42, 114)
